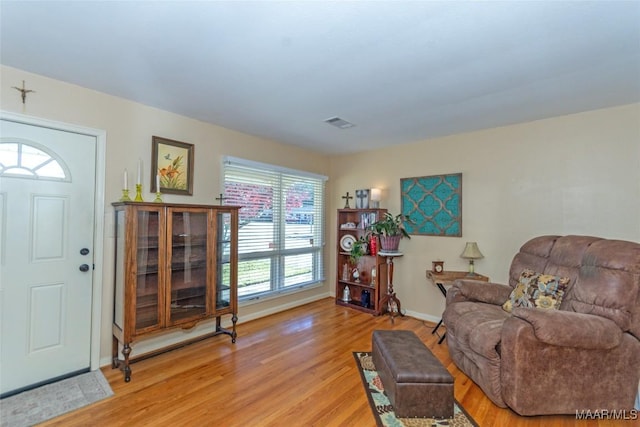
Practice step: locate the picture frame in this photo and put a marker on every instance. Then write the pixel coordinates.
(171, 166)
(362, 199)
(434, 204)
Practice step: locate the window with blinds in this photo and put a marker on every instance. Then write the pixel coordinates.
(281, 226)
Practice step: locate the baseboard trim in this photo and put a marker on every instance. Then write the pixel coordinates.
(423, 316)
(283, 307)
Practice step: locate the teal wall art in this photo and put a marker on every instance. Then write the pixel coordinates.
(434, 203)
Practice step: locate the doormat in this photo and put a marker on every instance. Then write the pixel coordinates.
(51, 400)
(383, 410)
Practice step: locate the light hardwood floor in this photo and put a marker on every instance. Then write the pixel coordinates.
(294, 368)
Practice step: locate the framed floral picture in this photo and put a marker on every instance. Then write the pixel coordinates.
(171, 166)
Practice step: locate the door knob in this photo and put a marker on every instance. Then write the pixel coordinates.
(84, 251)
(84, 268)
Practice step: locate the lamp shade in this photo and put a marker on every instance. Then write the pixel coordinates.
(376, 194)
(471, 251)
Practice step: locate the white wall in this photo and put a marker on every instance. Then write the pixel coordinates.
(576, 174)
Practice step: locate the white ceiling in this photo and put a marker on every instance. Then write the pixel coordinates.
(400, 70)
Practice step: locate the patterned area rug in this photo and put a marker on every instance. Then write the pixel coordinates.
(383, 411)
(51, 400)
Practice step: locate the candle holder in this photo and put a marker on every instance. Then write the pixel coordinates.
(158, 198)
(125, 195)
(139, 193)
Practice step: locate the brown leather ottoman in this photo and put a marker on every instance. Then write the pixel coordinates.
(415, 382)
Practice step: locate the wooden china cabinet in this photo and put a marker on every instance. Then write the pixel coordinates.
(365, 291)
(176, 265)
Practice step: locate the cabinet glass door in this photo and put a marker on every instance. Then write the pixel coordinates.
(223, 254)
(188, 235)
(120, 273)
(147, 256)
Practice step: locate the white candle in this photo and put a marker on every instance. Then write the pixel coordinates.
(158, 183)
(126, 181)
(139, 171)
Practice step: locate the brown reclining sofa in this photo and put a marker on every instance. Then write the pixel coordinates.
(583, 356)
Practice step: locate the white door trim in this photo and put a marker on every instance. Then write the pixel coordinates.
(98, 236)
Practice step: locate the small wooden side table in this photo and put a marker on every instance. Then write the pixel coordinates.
(447, 278)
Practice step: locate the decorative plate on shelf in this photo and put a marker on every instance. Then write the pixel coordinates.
(347, 242)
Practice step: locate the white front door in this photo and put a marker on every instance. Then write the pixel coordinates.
(47, 190)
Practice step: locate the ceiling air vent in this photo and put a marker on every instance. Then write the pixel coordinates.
(339, 123)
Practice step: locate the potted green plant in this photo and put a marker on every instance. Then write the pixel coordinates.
(390, 229)
(358, 249)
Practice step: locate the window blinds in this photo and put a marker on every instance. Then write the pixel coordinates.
(281, 232)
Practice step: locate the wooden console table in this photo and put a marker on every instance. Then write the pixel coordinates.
(446, 278)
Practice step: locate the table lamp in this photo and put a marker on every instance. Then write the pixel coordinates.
(376, 195)
(471, 252)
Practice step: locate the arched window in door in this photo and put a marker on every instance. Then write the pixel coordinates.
(26, 159)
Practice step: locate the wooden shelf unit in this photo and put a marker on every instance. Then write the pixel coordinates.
(361, 218)
(176, 265)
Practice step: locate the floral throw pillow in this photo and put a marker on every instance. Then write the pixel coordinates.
(537, 290)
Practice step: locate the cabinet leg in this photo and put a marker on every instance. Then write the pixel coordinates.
(234, 334)
(126, 351)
